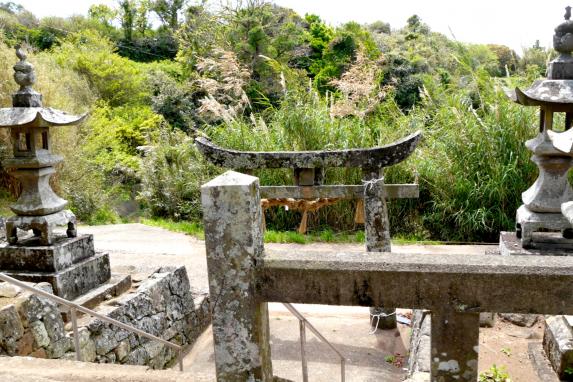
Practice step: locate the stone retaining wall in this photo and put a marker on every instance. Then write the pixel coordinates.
(162, 305)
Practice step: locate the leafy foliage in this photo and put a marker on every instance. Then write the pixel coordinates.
(255, 76)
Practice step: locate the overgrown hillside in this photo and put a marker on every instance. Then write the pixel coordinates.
(256, 76)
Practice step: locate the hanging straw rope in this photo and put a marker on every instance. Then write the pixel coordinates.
(303, 205)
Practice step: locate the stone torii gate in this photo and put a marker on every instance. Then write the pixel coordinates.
(456, 288)
(308, 190)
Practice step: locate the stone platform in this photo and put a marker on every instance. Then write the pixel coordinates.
(70, 265)
(549, 244)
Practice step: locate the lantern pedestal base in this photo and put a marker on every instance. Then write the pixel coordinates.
(543, 230)
(42, 226)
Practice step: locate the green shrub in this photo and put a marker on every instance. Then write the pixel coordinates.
(117, 80)
(172, 174)
(494, 374)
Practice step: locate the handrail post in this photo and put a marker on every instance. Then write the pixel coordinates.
(302, 327)
(76, 333)
(342, 369)
(180, 356)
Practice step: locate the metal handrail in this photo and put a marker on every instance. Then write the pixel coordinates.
(76, 307)
(303, 324)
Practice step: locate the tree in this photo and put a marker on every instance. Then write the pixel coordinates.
(102, 14)
(168, 11)
(200, 34)
(141, 16)
(127, 15)
(380, 27)
(506, 58)
(538, 56)
(415, 26)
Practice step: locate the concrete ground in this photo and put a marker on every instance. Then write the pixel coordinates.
(370, 357)
(136, 248)
(28, 369)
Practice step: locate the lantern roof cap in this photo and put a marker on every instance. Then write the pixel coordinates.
(40, 116)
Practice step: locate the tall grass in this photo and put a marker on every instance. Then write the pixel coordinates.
(472, 165)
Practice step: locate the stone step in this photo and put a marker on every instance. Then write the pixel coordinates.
(20, 369)
(117, 285)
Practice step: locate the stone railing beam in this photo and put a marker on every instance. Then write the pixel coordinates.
(471, 284)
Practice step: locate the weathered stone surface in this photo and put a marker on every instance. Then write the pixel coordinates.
(122, 350)
(558, 343)
(486, 320)
(24, 115)
(455, 345)
(9, 290)
(42, 225)
(11, 329)
(105, 341)
(420, 281)
(540, 363)
(151, 308)
(376, 157)
(40, 334)
(527, 320)
(420, 345)
(25, 345)
(54, 325)
(376, 224)
(530, 223)
(29, 255)
(510, 245)
(377, 232)
(87, 346)
(234, 241)
(58, 348)
(336, 191)
(138, 356)
(75, 280)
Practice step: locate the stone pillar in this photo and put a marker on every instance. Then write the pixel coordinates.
(455, 346)
(377, 230)
(376, 224)
(234, 243)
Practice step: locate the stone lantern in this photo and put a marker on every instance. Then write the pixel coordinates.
(39, 208)
(68, 262)
(541, 210)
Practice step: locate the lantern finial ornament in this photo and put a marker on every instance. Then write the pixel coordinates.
(25, 76)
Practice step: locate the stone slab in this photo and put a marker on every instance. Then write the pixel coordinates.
(420, 281)
(117, 284)
(541, 363)
(391, 191)
(75, 280)
(535, 228)
(30, 255)
(510, 245)
(558, 344)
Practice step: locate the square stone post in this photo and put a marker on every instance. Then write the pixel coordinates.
(376, 223)
(455, 346)
(234, 243)
(377, 232)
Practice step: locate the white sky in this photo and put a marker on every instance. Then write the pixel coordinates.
(513, 23)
